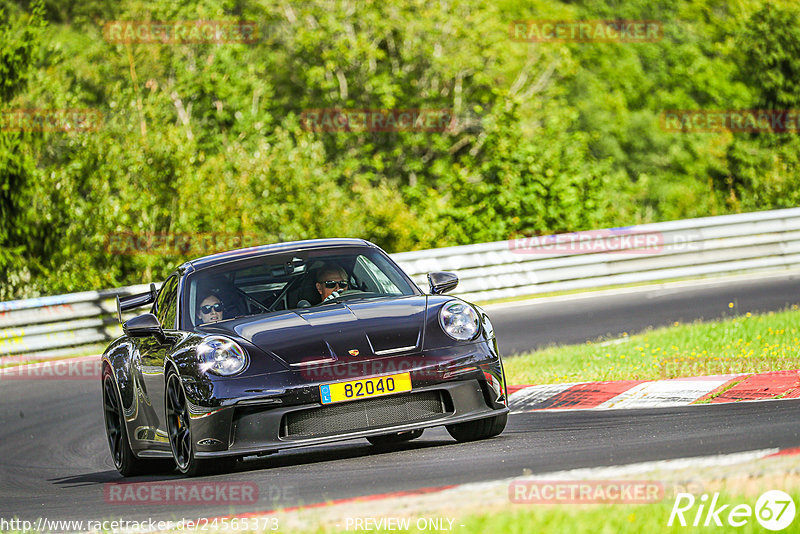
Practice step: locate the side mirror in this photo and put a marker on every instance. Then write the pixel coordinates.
(142, 326)
(442, 282)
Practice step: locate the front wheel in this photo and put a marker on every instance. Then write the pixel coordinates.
(180, 434)
(480, 429)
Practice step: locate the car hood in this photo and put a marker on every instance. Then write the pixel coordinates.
(344, 331)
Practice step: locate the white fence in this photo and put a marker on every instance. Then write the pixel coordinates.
(750, 242)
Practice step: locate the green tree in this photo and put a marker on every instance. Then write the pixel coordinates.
(764, 166)
(20, 44)
(546, 137)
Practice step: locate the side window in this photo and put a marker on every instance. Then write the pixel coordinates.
(167, 303)
(376, 280)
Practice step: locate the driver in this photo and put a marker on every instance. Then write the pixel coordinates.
(209, 310)
(331, 279)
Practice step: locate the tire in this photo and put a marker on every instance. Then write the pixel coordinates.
(480, 429)
(180, 434)
(122, 455)
(397, 437)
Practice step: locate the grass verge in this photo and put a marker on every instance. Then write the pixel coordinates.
(744, 344)
(606, 519)
(601, 518)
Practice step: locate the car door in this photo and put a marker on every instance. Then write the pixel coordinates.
(153, 354)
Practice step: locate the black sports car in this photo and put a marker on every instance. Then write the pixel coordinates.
(248, 352)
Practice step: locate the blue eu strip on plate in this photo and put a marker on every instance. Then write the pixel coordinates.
(325, 394)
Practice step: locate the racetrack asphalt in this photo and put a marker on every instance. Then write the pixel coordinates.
(54, 459)
(523, 326)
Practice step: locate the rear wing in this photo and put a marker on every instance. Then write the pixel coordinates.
(130, 302)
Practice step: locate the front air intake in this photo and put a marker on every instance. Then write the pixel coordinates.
(365, 414)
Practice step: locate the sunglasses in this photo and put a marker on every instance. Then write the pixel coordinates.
(208, 307)
(330, 284)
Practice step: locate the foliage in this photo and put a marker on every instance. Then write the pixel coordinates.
(764, 169)
(211, 138)
(20, 40)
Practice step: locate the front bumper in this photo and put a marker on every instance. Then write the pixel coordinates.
(283, 410)
(262, 430)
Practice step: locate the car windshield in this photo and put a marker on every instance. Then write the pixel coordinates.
(287, 281)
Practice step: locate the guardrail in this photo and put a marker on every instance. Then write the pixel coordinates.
(60, 325)
(747, 242)
(67, 324)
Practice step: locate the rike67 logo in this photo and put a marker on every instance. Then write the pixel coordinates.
(774, 510)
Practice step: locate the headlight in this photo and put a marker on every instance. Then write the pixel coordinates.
(221, 356)
(459, 320)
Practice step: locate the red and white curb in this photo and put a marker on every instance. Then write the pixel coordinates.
(618, 394)
(655, 393)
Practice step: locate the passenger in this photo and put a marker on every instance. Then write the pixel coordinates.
(210, 310)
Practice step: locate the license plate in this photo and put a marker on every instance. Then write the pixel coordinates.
(364, 388)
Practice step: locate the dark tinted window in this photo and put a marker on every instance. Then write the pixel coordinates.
(288, 281)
